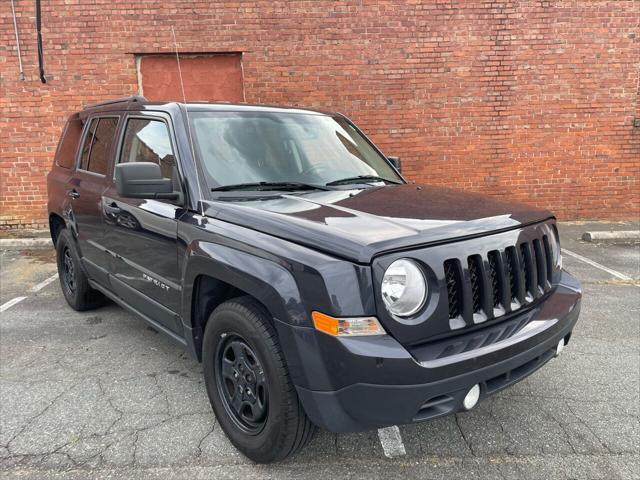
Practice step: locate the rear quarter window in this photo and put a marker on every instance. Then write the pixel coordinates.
(69, 141)
(98, 142)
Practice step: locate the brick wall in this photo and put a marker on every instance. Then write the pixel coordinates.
(527, 100)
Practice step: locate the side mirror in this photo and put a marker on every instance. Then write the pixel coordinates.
(395, 161)
(143, 180)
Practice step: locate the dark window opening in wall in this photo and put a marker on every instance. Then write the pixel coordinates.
(206, 77)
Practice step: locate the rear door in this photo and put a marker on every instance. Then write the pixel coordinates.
(141, 234)
(85, 188)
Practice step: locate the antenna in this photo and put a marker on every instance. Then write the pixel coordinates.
(186, 112)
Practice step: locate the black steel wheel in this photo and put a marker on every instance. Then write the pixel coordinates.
(248, 383)
(242, 383)
(68, 272)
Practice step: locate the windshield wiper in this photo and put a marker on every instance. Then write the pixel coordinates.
(290, 186)
(362, 179)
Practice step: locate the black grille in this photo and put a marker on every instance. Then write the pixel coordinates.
(541, 267)
(525, 259)
(548, 256)
(475, 276)
(454, 287)
(494, 274)
(512, 268)
(500, 282)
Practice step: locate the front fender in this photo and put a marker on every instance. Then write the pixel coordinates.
(269, 282)
(290, 280)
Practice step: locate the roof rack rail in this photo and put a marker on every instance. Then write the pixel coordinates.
(133, 98)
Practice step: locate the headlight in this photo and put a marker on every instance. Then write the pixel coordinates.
(404, 288)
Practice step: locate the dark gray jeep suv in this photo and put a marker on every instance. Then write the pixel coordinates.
(290, 257)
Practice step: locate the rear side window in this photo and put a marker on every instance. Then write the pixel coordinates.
(97, 145)
(149, 141)
(86, 146)
(68, 147)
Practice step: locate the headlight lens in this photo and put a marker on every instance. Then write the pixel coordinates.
(404, 288)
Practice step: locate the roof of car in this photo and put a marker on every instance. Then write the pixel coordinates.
(137, 102)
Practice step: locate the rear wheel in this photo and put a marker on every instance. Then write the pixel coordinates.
(248, 383)
(75, 284)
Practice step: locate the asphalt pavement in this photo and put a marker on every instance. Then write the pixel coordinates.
(101, 395)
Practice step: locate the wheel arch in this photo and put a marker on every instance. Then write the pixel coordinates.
(216, 273)
(56, 225)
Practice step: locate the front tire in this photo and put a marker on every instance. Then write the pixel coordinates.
(249, 385)
(75, 284)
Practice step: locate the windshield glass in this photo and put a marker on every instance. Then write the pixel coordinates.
(251, 147)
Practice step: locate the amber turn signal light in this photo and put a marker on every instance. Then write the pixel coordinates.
(347, 327)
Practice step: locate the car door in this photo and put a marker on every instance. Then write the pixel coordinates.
(85, 188)
(141, 234)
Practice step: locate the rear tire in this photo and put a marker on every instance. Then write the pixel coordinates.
(73, 281)
(241, 353)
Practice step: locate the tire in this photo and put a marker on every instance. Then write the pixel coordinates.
(73, 281)
(270, 423)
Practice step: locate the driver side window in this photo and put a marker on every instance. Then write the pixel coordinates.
(149, 141)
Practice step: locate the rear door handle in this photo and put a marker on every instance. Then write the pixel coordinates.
(74, 193)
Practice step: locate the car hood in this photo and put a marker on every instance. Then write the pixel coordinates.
(359, 224)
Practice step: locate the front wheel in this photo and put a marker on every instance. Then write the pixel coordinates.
(248, 383)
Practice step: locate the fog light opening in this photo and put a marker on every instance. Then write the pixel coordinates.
(560, 347)
(472, 397)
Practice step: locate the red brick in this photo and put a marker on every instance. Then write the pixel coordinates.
(528, 100)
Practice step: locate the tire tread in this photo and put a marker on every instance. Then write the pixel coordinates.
(86, 298)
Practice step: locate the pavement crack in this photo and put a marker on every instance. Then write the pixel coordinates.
(562, 426)
(40, 414)
(467, 442)
(206, 435)
(134, 457)
(119, 412)
(161, 393)
(588, 427)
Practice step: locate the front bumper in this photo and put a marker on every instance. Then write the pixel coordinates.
(360, 383)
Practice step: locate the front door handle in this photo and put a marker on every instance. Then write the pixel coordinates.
(74, 193)
(112, 209)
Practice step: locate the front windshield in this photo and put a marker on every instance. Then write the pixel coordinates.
(252, 147)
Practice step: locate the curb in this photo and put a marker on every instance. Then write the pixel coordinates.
(621, 236)
(12, 243)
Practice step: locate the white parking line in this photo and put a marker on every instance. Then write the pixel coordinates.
(44, 283)
(391, 442)
(11, 303)
(34, 289)
(615, 273)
